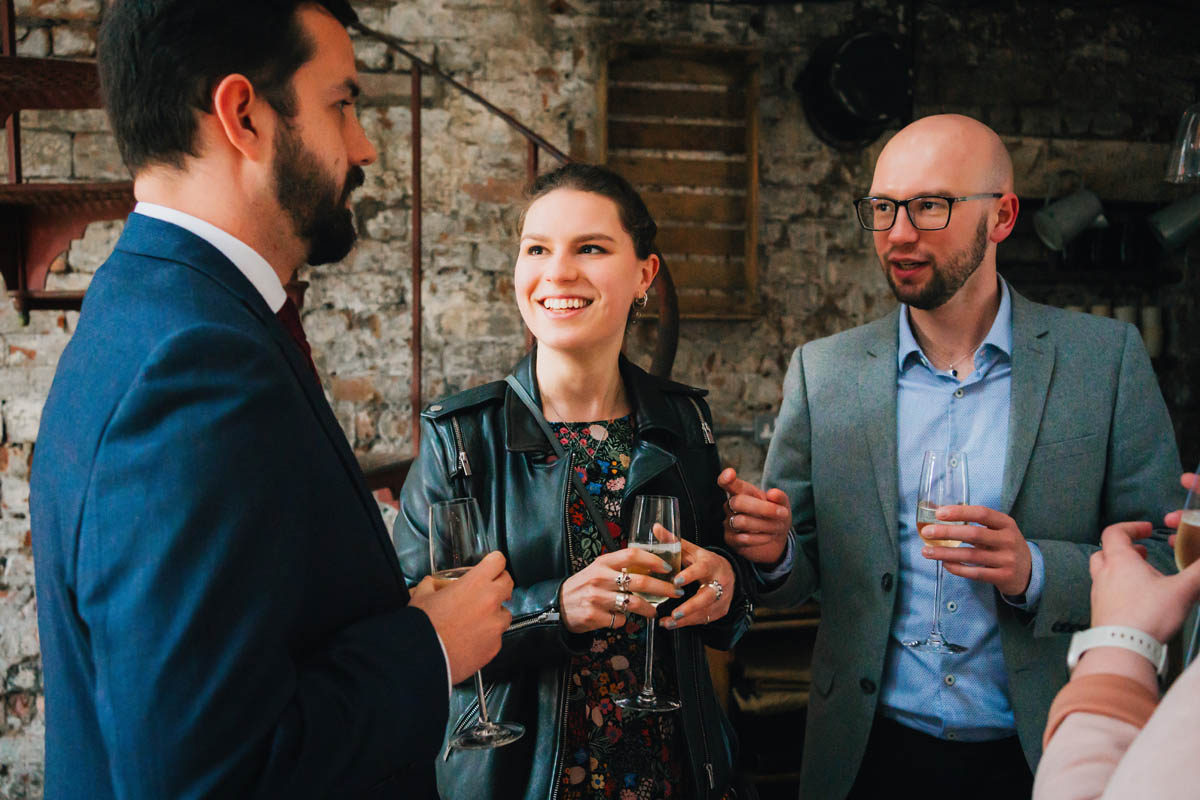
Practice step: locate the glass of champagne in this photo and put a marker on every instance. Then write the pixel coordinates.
(1187, 548)
(457, 543)
(655, 520)
(943, 483)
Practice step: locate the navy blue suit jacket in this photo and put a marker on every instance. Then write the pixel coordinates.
(220, 608)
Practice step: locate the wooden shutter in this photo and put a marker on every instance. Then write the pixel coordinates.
(681, 125)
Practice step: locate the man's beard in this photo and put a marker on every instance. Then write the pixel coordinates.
(310, 197)
(944, 280)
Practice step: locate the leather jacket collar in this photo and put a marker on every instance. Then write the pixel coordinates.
(651, 408)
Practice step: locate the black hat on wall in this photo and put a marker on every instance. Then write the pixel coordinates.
(854, 87)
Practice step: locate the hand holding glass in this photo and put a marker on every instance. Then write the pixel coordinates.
(943, 483)
(655, 520)
(457, 543)
(1187, 548)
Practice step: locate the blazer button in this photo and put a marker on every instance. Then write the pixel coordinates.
(886, 581)
(1057, 627)
(868, 686)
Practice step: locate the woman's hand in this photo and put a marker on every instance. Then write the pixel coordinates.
(709, 603)
(589, 598)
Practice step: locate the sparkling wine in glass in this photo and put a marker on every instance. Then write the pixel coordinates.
(457, 543)
(943, 483)
(655, 521)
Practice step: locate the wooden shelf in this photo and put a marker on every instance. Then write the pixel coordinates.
(47, 83)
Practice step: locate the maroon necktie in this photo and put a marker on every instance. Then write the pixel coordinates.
(289, 315)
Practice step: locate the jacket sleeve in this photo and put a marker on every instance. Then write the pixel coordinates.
(723, 633)
(1141, 482)
(536, 623)
(789, 468)
(191, 569)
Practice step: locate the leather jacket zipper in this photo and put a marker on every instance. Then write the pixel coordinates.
(471, 713)
(549, 615)
(463, 464)
(704, 426)
(697, 662)
(556, 776)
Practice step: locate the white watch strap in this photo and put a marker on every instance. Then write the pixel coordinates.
(1118, 636)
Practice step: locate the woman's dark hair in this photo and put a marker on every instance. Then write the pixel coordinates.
(160, 60)
(635, 217)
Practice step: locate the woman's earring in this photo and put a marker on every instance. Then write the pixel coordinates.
(640, 302)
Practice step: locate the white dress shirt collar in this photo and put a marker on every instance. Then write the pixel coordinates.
(250, 263)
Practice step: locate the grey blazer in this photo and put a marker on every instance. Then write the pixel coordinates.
(1090, 443)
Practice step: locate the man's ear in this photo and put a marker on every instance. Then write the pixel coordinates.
(1006, 217)
(243, 116)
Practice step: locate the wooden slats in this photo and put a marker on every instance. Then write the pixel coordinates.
(723, 272)
(47, 83)
(668, 206)
(729, 104)
(701, 241)
(658, 171)
(665, 69)
(659, 136)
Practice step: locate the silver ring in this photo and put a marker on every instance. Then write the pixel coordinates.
(708, 619)
(716, 587)
(621, 603)
(623, 580)
(612, 622)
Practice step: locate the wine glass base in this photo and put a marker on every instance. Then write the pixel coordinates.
(933, 645)
(648, 705)
(486, 735)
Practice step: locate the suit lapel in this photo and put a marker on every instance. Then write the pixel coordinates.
(877, 400)
(158, 239)
(1032, 368)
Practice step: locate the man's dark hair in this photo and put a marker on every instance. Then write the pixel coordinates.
(161, 59)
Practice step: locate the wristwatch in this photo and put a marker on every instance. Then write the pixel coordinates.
(1118, 636)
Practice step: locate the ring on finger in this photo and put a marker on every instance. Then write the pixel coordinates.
(717, 588)
(612, 621)
(708, 619)
(623, 580)
(621, 602)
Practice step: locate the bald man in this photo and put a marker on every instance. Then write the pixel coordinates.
(1064, 431)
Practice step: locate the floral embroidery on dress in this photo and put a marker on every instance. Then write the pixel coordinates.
(611, 756)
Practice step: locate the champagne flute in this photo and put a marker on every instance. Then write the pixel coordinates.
(1187, 550)
(943, 483)
(457, 543)
(655, 520)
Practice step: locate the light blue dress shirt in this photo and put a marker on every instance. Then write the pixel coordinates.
(961, 697)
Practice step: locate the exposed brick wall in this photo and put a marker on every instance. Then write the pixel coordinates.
(1098, 89)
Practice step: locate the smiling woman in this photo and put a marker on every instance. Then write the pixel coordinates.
(555, 456)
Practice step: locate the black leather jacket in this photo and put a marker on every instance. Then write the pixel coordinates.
(485, 443)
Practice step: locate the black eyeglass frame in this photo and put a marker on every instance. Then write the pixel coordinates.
(950, 201)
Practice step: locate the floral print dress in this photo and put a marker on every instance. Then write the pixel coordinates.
(611, 755)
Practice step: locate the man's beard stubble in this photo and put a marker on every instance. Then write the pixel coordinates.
(313, 201)
(944, 279)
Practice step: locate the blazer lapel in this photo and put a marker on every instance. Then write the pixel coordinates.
(877, 400)
(1032, 368)
(158, 239)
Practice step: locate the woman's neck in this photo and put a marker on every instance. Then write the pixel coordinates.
(580, 389)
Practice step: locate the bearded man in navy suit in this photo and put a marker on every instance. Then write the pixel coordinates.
(221, 610)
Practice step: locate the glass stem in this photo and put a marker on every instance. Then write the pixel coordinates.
(483, 714)
(648, 686)
(937, 606)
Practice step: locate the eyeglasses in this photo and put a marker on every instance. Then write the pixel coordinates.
(926, 213)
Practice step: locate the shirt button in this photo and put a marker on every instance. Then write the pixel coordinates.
(949, 679)
(886, 581)
(958, 392)
(952, 606)
(868, 686)
(952, 736)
